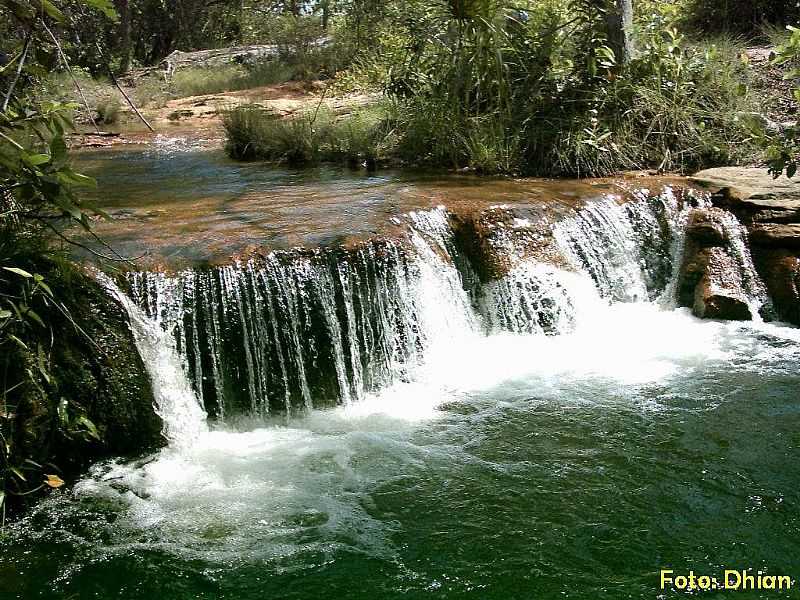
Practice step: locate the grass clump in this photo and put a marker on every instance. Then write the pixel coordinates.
(200, 81)
(108, 110)
(365, 136)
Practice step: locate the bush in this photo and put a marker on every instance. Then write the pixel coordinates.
(108, 110)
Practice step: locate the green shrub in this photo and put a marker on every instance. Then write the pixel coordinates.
(197, 81)
(108, 110)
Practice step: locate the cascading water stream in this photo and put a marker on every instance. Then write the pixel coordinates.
(176, 403)
(752, 286)
(632, 250)
(295, 330)
(450, 406)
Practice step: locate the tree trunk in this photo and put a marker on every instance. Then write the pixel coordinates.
(124, 35)
(619, 23)
(325, 14)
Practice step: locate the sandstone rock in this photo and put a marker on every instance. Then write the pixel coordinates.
(711, 280)
(753, 192)
(705, 227)
(780, 270)
(718, 294)
(776, 235)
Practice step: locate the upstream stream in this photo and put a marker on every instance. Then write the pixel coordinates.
(374, 416)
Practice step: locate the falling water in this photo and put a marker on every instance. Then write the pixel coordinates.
(752, 286)
(630, 250)
(272, 333)
(294, 330)
(177, 405)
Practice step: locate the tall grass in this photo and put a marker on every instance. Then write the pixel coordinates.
(499, 94)
(363, 137)
(199, 81)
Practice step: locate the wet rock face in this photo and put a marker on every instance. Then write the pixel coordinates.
(718, 295)
(711, 279)
(770, 208)
(780, 269)
(705, 229)
(495, 239)
(95, 371)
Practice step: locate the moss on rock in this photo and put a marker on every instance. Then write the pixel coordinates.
(92, 400)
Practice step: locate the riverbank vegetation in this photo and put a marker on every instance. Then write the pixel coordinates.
(543, 90)
(39, 193)
(540, 94)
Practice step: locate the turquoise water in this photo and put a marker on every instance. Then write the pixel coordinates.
(556, 473)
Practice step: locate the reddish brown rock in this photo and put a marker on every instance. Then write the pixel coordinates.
(718, 294)
(776, 235)
(780, 270)
(705, 228)
(710, 277)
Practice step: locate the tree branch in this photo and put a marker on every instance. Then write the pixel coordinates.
(21, 64)
(72, 75)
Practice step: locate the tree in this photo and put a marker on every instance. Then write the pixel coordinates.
(37, 195)
(619, 23)
(124, 48)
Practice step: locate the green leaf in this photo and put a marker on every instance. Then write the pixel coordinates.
(69, 207)
(18, 341)
(68, 176)
(58, 149)
(18, 271)
(18, 473)
(35, 317)
(5, 314)
(91, 429)
(104, 6)
(52, 11)
(34, 160)
(45, 288)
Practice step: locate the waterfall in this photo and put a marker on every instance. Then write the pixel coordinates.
(533, 298)
(280, 332)
(177, 405)
(287, 331)
(629, 250)
(752, 286)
